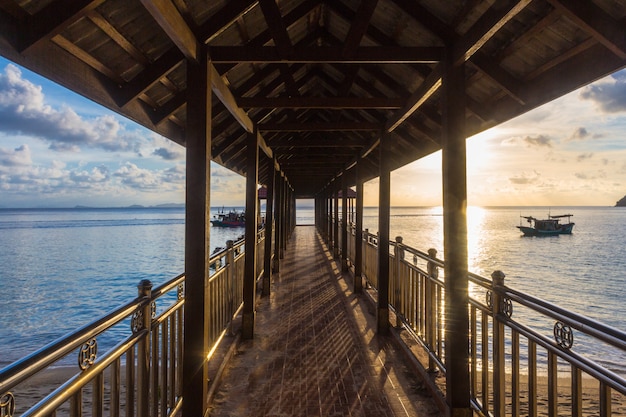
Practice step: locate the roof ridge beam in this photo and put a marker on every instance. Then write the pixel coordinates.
(322, 54)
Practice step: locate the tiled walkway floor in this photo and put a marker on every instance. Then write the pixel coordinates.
(315, 352)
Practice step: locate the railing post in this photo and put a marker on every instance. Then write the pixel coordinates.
(399, 255)
(144, 290)
(230, 281)
(431, 307)
(498, 345)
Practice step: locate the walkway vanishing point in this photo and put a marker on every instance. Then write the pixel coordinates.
(315, 350)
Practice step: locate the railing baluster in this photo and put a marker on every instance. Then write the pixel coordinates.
(130, 382)
(143, 353)
(532, 378)
(515, 376)
(115, 388)
(165, 365)
(605, 400)
(498, 345)
(552, 384)
(76, 404)
(577, 401)
(97, 396)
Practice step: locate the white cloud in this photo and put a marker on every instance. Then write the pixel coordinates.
(23, 111)
(14, 158)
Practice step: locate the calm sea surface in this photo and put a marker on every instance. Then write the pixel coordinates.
(62, 268)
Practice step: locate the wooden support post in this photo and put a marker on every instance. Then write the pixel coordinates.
(329, 217)
(249, 277)
(384, 202)
(358, 238)
(197, 221)
(336, 219)
(278, 223)
(283, 195)
(455, 239)
(345, 224)
(269, 223)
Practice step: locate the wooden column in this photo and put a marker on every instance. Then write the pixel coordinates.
(455, 240)
(283, 215)
(329, 216)
(336, 219)
(249, 278)
(269, 221)
(197, 222)
(344, 223)
(358, 239)
(278, 223)
(384, 201)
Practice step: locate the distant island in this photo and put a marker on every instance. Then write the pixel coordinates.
(621, 203)
(138, 206)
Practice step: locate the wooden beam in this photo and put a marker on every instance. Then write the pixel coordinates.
(323, 54)
(430, 85)
(320, 127)
(485, 28)
(170, 20)
(312, 143)
(321, 102)
(225, 16)
(359, 26)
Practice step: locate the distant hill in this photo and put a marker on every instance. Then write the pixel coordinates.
(621, 203)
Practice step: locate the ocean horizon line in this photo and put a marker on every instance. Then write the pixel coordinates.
(307, 206)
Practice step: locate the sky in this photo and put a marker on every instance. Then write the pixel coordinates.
(58, 149)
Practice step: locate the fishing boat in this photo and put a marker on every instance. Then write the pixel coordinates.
(547, 227)
(230, 219)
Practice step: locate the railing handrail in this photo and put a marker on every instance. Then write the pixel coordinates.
(587, 325)
(21, 369)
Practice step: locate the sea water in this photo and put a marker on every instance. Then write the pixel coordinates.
(63, 268)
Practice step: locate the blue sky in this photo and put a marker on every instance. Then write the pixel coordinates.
(58, 149)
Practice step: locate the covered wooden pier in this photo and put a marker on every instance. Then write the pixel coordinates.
(310, 97)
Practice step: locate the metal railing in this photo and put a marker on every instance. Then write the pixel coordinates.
(142, 374)
(520, 365)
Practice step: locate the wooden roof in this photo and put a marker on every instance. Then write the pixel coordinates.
(322, 79)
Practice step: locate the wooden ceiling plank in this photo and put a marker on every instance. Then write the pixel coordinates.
(429, 21)
(323, 54)
(594, 20)
(171, 21)
(321, 102)
(563, 57)
(226, 16)
(53, 19)
(117, 37)
(514, 87)
(148, 77)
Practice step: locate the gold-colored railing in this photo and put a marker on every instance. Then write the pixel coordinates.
(533, 363)
(142, 374)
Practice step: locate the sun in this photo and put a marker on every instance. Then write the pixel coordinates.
(479, 150)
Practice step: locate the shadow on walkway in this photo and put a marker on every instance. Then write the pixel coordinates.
(315, 351)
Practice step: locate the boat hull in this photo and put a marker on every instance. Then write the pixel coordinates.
(222, 223)
(565, 229)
